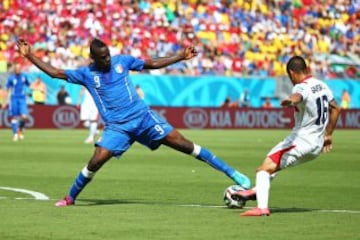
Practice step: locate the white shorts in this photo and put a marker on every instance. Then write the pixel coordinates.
(89, 112)
(293, 151)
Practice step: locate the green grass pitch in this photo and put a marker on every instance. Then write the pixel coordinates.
(168, 195)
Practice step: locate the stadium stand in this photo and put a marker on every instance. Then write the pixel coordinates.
(234, 38)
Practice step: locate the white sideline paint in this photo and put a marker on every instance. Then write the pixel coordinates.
(36, 195)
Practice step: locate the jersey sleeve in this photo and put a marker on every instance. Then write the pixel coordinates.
(300, 89)
(134, 64)
(75, 76)
(329, 94)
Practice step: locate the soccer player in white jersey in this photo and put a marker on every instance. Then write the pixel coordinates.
(89, 114)
(316, 114)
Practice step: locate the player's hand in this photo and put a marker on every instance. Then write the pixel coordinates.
(327, 144)
(24, 47)
(286, 102)
(189, 53)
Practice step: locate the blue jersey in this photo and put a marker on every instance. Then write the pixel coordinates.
(16, 84)
(113, 92)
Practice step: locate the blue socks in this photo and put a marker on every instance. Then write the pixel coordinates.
(206, 156)
(81, 181)
(200, 153)
(14, 126)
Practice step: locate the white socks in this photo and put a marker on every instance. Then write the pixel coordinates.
(93, 129)
(272, 176)
(87, 173)
(196, 150)
(262, 189)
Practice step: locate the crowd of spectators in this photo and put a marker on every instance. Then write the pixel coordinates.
(233, 37)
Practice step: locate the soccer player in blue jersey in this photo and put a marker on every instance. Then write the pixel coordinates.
(17, 107)
(126, 116)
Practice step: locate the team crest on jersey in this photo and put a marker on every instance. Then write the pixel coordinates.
(118, 68)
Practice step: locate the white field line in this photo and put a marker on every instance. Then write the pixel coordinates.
(36, 195)
(207, 206)
(312, 210)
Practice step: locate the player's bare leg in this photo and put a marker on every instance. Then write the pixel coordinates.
(100, 157)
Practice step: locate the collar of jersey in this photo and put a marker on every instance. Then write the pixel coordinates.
(306, 78)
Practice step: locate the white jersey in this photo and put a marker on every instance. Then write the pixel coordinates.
(312, 114)
(88, 109)
(311, 118)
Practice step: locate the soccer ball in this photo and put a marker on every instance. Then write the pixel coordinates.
(231, 200)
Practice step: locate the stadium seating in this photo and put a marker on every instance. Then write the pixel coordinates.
(234, 38)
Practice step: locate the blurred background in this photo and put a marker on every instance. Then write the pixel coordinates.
(243, 45)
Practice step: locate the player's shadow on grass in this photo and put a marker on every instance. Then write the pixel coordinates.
(291, 210)
(99, 202)
(96, 202)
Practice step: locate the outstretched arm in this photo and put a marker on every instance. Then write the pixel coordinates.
(156, 63)
(291, 100)
(25, 50)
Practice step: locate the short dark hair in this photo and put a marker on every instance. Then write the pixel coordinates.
(296, 64)
(96, 43)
